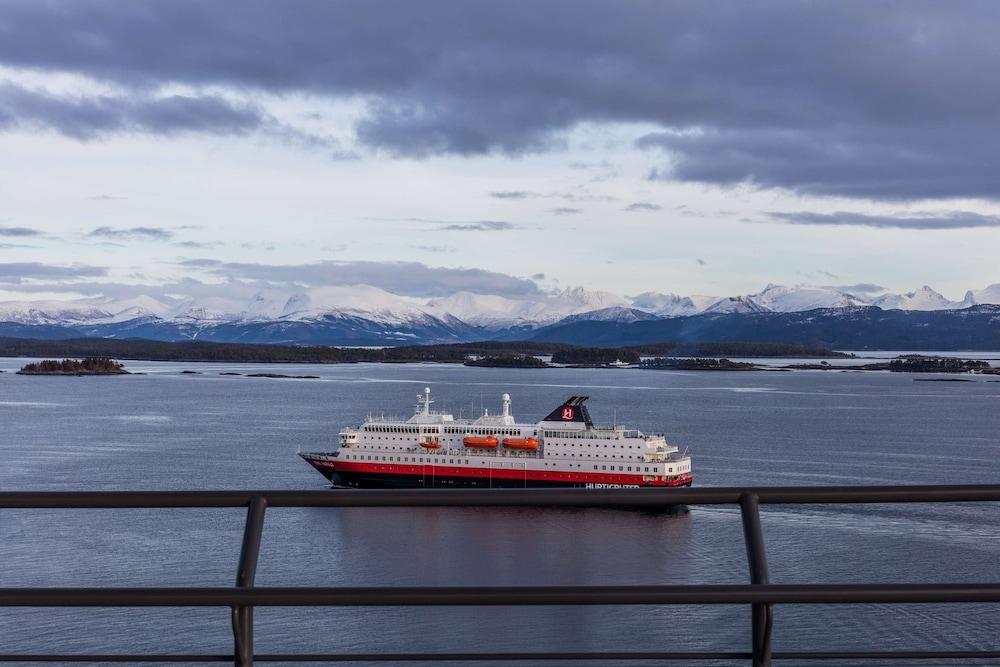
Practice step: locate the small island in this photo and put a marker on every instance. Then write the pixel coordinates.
(697, 364)
(910, 363)
(508, 361)
(87, 366)
(595, 357)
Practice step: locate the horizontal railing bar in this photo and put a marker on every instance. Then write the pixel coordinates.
(491, 596)
(511, 657)
(499, 497)
(113, 657)
(391, 657)
(886, 655)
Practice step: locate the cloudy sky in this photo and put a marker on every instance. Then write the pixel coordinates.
(499, 147)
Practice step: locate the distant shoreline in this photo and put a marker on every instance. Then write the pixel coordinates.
(482, 353)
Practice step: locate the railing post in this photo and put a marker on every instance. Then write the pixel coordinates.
(250, 550)
(753, 535)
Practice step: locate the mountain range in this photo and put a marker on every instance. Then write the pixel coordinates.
(367, 315)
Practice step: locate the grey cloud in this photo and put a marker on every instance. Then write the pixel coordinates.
(132, 233)
(457, 225)
(877, 100)
(568, 196)
(19, 232)
(863, 288)
(480, 226)
(927, 221)
(406, 278)
(514, 194)
(203, 263)
(701, 262)
(433, 248)
(198, 244)
(16, 272)
(106, 198)
(564, 210)
(643, 206)
(88, 118)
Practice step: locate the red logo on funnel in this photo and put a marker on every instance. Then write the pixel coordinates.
(567, 414)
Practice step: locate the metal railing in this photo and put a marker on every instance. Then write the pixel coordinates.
(760, 594)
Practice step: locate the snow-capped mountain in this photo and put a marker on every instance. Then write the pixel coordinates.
(781, 299)
(735, 304)
(612, 314)
(990, 294)
(924, 298)
(51, 312)
(352, 301)
(127, 309)
(670, 304)
(492, 310)
(208, 309)
(487, 309)
(368, 315)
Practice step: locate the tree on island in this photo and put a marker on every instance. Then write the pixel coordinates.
(508, 361)
(87, 366)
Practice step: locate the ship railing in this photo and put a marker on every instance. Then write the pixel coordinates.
(760, 594)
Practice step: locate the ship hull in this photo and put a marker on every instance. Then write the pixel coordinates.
(373, 479)
(391, 481)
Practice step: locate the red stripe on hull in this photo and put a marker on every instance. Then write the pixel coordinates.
(494, 473)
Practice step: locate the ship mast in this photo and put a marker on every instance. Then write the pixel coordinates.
(425, 400)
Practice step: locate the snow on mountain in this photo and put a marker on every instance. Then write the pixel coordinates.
(207, 309)
(780, 299)
(612, 314)
(123, 310)
(580, 300)
(703, 301)
(265, 305)
(924, 298)
(669, 304)
(776, 298)
(735, 304)
(487, 309)
(353, 301)
(990, 294)
(50, 312)
(366, 313)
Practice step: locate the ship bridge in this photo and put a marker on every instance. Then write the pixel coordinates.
(423, 415)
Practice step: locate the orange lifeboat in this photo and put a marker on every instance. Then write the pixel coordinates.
(480, 441)
(431, 444)
(520, 443)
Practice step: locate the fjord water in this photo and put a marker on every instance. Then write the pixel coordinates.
(167, 430)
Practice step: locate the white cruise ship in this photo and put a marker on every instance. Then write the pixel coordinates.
(435, 450)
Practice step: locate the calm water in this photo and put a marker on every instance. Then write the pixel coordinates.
(164, 430)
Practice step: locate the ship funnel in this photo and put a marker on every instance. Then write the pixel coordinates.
(506, 405)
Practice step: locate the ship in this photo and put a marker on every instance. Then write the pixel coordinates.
(565, 449)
